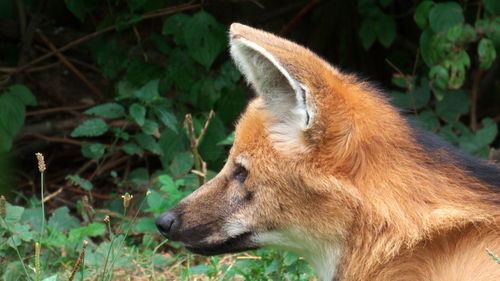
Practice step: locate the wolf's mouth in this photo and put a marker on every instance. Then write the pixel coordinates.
(240, 243)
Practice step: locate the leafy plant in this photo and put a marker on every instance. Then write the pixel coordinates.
(455, 48)
(13, 102)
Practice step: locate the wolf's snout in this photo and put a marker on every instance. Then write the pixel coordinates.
(167, 223)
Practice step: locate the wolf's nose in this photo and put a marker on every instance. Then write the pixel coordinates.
(165, 222)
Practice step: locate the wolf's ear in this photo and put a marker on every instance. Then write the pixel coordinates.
(286, 98)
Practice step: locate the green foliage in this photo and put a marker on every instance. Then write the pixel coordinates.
(13, 102)
(376, 24)
(440, 101)
(90, 128)
(148, 97)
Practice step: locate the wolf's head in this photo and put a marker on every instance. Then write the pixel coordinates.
(287, 182)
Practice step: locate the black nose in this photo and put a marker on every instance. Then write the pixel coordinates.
(165, 223)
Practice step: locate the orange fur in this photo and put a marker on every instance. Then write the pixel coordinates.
(361, 191)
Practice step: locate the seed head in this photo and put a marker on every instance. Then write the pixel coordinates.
(106, 219)
(3, 207)
(41, 162)
(126, 199)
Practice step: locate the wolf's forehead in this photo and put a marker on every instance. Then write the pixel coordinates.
(251, 128)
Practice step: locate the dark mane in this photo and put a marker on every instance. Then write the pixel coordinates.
(486, 172)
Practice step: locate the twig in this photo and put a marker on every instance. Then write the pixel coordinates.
(58, 140)
(298, 16)
(43, 67)
(200, 166)
(139, 42)
(205, 127)
(394, 67)
(82, 191)
(473, 99)
(57, 109)
(52, 195)
(108, 166)
(78, 261)
(73, 60)
(97, 33)
(70, 66)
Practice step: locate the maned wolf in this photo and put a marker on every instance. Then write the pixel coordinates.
(322, 165)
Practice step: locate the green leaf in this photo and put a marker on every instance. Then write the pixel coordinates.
(428, 120)
(109, 57)
(440, 76)
(228, 140)
(94, 150)
(166, 117)
(487, 53)
(92, 230)
(107, 110)
(150, 127)
(32, 216)
(24, 94)
(146, 225)
(290, 258)
(20, 232)
(77, 180)
(149, 91)
(14, 214)
(231, 103)
(140, 73)
(12, 114)
(78, 8)
(90, 128)
(488, 133)
(62, 221)
(155, 200)
(445, 15)
(229, 72)
(421, 95)
(182, 70)
(367, 33)
(386, 30)
(174, 25)
(166, 180)
(55, 238)
(480, 141)
(447, 133)
(422, 13)
(215, 133)
(171, 144)
(454, 104)
(132, 148)
(160, 43)
(139, 176)
(199, 269)
(138, 113)
(125, 20)
(182, 164)
(147, 142)
(426, 39)
(51, 278)
(205, 38)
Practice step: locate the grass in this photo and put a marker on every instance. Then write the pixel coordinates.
(118, 242)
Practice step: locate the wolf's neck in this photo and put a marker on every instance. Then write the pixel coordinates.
(323, 256)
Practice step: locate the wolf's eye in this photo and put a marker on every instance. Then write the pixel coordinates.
(240, 173)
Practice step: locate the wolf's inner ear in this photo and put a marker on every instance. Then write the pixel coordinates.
(286, 98)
